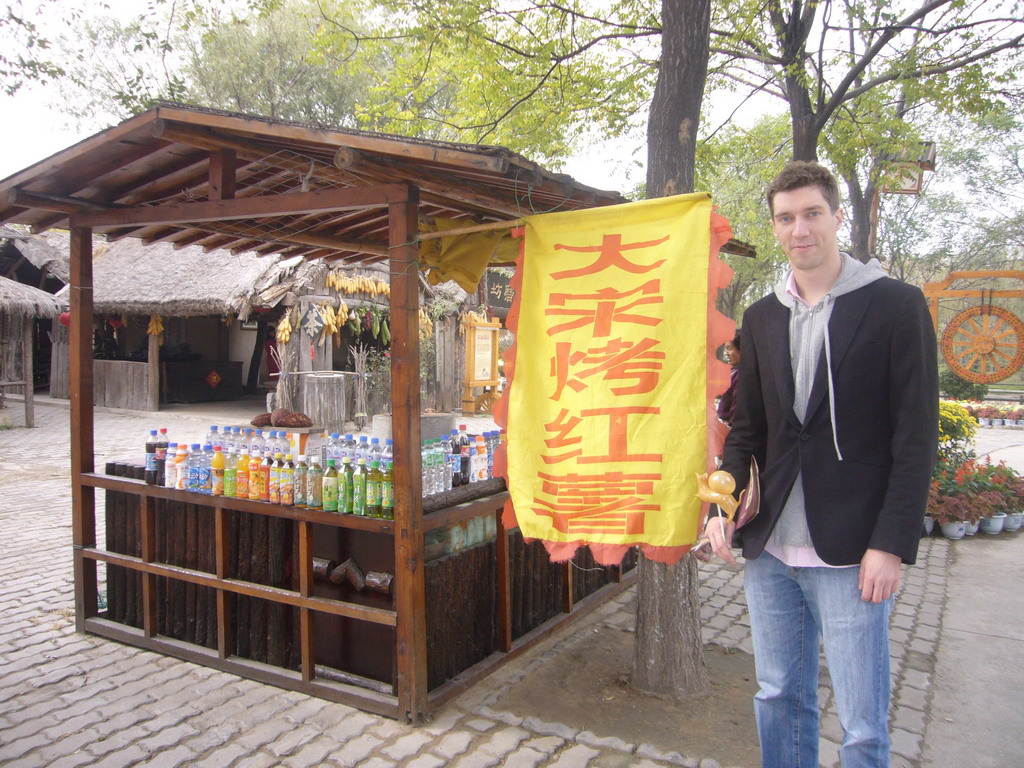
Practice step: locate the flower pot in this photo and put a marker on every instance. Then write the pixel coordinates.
(997, 422)
(993, 524)
(929, 525)
(985, 422)
(971, 528)
(954, 530)
(1013, 521)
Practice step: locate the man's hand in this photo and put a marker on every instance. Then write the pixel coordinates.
(719, 532)
(879, 575)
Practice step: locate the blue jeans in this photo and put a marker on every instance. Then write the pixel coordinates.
(790, 609)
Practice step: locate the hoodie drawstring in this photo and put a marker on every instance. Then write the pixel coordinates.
(831, 390)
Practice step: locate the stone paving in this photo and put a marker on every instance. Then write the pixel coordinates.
(75, 700)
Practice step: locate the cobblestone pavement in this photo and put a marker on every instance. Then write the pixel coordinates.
(74, 700)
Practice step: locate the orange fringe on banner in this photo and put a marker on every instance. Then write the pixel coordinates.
(720, 329)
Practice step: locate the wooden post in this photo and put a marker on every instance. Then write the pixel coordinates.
(153, 374)
(504, 587)
(27, 365)
(410, 590)
(83, 497)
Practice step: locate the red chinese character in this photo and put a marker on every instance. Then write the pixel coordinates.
(618, 437)
(610, 254)
(610, 502)
(600, 309)
(617, 360)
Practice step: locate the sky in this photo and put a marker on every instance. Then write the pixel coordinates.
(33, 128)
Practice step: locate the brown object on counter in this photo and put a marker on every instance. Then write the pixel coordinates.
(263, 420)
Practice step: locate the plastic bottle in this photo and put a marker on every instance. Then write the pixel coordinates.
(244, 441)
(374, 479)
(481, 459)
(387, 492)
(455, 460)
(314, 484)
(217, 467)
(195, 460)
(161, 456)
(274, 479)
(171, 467)
(287, 481)
(230, 472)
(255, 475)
(425, 483)
(363, 449)
(206, 470)
(242, 476)
(464, 453)
(265, 465)
(387, 453)
(330, 487)
(375, 450)
(437, 467)
(299, 482)
(359, 488)
(225, 439)
(345, 487)
(447, 450)
(335, 449)
(350, 447)
(150, 457)
(212, 437)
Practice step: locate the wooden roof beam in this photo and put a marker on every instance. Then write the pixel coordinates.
(247, 208)
(419, 150)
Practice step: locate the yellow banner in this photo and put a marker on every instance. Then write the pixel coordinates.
(606, 420)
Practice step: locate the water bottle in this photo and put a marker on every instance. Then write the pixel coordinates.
(335, 449)
(447, 450)
(244, 440)
(225, 439)
(350, 447)
(388, 451)
(425, 469)
(206, 470)
(195, 460)
(363, 449)
(491, 440)
(437, 465)
(375, 451)
(212, 437)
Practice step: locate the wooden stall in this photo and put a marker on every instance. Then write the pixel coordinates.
(268, 591)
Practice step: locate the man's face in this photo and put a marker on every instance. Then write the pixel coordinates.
(806, 228)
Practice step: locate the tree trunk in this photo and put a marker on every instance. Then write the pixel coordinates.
(860, 218)
(669, 655)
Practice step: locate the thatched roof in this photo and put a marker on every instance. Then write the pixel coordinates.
(47, 252)
(132, 278)
(18, 299)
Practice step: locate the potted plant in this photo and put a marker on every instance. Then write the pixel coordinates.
(953, 500)
(985, 415)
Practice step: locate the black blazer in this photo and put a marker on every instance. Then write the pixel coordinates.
(885, 377)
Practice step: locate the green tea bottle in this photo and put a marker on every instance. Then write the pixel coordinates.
(345, 487)
(287, 481)
(314, 485)
(299, 482)
(359, 488)
(330, 487)
(374, 478)
(387, 492)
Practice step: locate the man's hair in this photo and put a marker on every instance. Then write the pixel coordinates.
(801, 173)
(736, 341)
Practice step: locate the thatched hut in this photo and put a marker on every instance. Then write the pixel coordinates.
(174, 324)
(19, 306)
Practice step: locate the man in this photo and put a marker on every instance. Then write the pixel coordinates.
(838, 402)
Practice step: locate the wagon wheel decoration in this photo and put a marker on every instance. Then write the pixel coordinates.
(984, 344)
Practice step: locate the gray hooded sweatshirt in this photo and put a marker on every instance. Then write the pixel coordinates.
(807, 336)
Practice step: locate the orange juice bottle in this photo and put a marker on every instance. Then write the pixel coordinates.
(242, 476)
(254, 476)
